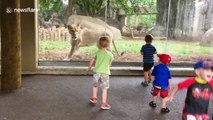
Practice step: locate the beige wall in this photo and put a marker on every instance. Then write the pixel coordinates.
(28, 36)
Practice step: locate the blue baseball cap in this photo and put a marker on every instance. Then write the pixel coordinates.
(203, 64)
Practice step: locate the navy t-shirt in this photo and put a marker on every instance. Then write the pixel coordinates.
(148, 53)
(162, 76)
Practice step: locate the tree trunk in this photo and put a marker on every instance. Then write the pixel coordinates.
(69, 9)
(161, 21)
(10, 45)
(70, 6)
(189, 19)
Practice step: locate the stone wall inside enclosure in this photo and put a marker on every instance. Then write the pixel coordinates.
(189, 19)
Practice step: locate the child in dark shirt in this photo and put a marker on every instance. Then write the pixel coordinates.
(199, 90)
(148, 51)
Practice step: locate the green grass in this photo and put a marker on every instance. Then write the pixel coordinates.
(183, 49)
(53, 45)
(175, 48)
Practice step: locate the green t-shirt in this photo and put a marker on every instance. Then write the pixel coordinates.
(102, 60)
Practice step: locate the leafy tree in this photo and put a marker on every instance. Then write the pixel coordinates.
(94, 7)
(91, 7)
(123, 4)
(47, 7)
(144, 20)
(133, 6)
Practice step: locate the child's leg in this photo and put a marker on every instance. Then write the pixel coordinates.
(164, 94)
(154, 92)
(105, 86)
(149, 75)
(155, 99)
(96, 78)
(104, 105)
(153, 103)
(146, 76)
(104, 96)
(94, 92)
(164, 109)
(145, 72)
(164, 103)
(93, 99)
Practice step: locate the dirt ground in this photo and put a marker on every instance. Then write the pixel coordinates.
(82, 57)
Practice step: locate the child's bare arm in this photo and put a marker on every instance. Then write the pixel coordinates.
(90, 65)
(170, 84)
(174, 91)
(110, 63)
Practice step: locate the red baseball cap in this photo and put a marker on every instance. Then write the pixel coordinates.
(165, 58)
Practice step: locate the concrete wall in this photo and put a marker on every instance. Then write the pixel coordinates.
(29, 36)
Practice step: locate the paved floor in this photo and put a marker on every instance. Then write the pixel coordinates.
(45, 97)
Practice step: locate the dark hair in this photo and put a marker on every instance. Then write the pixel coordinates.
(148, 38)
(104, 42)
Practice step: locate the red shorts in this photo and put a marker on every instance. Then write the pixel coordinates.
(163, 93)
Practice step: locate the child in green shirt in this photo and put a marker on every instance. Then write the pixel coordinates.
(103, 60)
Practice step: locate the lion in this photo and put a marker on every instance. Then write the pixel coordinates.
(85, 37)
